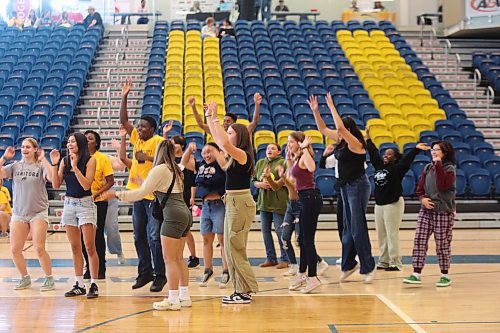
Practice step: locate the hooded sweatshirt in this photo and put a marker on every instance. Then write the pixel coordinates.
(438, 183)
(269, 200)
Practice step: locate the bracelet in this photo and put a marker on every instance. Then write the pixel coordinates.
(208, 115)
(54, 164)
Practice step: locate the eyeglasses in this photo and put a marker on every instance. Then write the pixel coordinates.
(436, 149)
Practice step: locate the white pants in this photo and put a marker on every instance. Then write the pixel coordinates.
(387, 221)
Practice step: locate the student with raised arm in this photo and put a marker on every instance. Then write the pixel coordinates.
(146, 227)
(177, 221)
(354, 187)
(31, 208)
(229, 118)
(240, 206)
(79, 215)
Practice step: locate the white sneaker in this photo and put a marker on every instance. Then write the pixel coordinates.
(339, 261)
(322, 267)
(348, 273)
(186, 303)
(292, 270)
(370, 276)
(167, 305)
(311, 284)
(298, 281)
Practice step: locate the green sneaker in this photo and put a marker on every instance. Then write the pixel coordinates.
(443, 282)
(412, 279)
(48, 284)
(24, 283)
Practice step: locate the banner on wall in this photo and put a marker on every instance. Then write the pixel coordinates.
(180, 8)
(22, 7)
(476, 8)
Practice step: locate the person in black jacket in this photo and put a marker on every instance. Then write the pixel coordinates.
(389, 203)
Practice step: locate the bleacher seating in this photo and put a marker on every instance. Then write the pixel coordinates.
(489, 66)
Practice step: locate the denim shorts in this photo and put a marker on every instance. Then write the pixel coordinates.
(212, 217)
(79, 211)
(292, 211)
(43, 215)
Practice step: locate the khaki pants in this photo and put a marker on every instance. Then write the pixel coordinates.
(240, 212)
(387, 221)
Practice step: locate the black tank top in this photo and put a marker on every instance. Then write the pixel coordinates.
(73, 187)
(351, 165)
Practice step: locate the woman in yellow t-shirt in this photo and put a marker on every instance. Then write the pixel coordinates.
(5, 210)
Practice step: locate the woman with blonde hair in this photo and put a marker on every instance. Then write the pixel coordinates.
(31, 208)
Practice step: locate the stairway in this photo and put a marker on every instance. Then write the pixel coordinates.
(460, 83)
(132, 64)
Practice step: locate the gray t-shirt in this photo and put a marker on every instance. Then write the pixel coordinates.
(29, 192)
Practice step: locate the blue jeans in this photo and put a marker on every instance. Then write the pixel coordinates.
(212, 217)
(289, 225)
(265, 9)
(147, 239)
(112, 229)
(311, 202)
(355, 238)
(266, 220)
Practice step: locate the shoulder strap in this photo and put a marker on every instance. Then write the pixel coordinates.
(169, 191)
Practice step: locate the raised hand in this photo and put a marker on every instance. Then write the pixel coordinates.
(280, 170)
(10, 152)
(41, 154)
(367, 133)
(329, 100)
(74, 160)
(55, 156)
(328, 150)
(115, 144)
(192, 101)
(122, 132)
(214, 108)
(257, 98)
(422, 146)
(307, 141)
(127, 85)
(313, 103)
(192, 147)
(168, 127)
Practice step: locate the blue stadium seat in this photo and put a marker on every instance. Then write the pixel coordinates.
(408, 184)
(479, 182)
(325, 182)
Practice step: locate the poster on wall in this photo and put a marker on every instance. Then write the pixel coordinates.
(22, 7)
(179, 9)
(474, 8)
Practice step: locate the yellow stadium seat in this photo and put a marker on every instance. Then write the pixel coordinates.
(329, 141)
(420, 93)
(193, 128)
(211, 41)
(357, 33)
(396, 91)
(189, 117)
(390, 80)
(404, 101)
(404, 137)
(404, 73)
(177, 115)
(427, 103)
(377, 33)
(380, 137)
(343, 33)
(213, 82)
(315, 135)
(386, 53)
(193, 33)
(213, 70)
(388, 112)
(376, 124)
(397, 125)
(263, 137)
(362, 39)
(381, 101)
(419, 125)
(412, 113)
(370, 83)
(412, 83)
(283, 137)
(353, 51)
(434, 115)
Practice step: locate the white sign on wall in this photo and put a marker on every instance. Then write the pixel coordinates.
(180, 8)
(474, 8)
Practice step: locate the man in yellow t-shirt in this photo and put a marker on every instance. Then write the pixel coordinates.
(5, 210)
(146, 227)
(103, 181)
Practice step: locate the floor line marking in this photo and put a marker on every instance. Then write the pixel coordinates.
(401, 314)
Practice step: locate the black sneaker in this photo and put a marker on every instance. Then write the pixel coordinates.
(86, 275)
(93, 291)
(158, 283)
(193, 262)
(141, 281)
(393, 269)
(76, 291)
(237, 298)
(207, 275)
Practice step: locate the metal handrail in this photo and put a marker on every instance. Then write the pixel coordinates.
(433, 34)
(490, 97)
(447, 48)
(99, 118)
(117, 62)
(477, 81)
(108, 77)
(457, 65)
(108, 97)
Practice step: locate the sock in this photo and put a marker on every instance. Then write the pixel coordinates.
(184, 293)
(49, 277)
(79, 279)
(445, 276)
(92, 280)
(173, 296)
(417, 275)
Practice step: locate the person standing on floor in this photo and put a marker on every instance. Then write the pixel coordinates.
(354, 187)
(164, 177)
(271, 204)
(103, 181)
(436, 191)
(31, 208)
(179, 143)
(389, 203)
(240, 206)
(146, 227)
(302, 167)
(210, 186)
(79, 211)
(5, 210)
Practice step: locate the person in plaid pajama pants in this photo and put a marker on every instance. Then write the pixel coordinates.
(436, 191)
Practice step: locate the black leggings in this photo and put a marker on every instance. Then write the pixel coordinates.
(311, 202)
(100, 242)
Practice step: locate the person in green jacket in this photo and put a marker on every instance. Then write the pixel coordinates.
(272, 204)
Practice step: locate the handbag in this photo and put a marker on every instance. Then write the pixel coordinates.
(158, 206)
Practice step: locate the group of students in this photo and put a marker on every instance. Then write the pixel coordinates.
(160, 171)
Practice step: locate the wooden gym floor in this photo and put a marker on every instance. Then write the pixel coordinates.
(469, 305)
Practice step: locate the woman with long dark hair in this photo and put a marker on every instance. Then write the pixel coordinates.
(302, 166)
(79, 216)
(354, 188)
(177, 220)
(436, 191)
(240, 206)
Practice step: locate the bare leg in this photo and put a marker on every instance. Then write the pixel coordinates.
(18, 234)
(39, 232)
